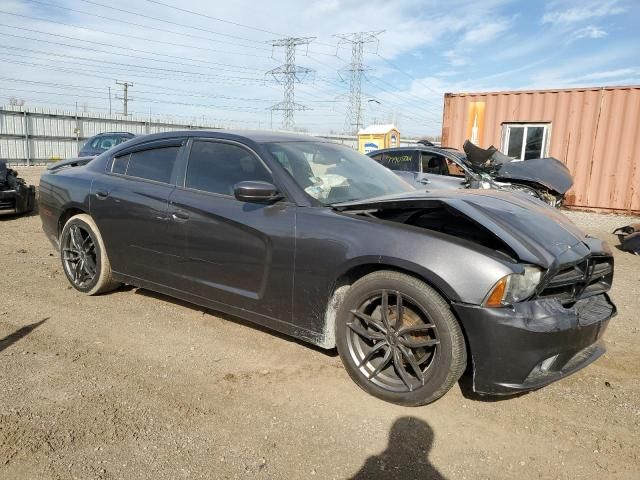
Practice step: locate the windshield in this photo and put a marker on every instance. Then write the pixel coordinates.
(333, 173)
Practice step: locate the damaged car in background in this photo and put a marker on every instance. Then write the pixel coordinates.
(427, 166)
(16, 197)
(317, 241)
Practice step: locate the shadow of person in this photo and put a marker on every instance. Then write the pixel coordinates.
(18, 334)
(406, 456)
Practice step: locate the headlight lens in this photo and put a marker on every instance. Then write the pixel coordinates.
(514, 287)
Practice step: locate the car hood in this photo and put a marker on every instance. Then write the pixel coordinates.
(548, 172)
(534, 231)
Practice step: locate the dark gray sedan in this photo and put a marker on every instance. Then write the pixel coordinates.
(322, 243)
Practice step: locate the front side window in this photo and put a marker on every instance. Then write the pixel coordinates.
(217, 167)
(523, 141)
(333, 173)
(153, 164)
(433, 163)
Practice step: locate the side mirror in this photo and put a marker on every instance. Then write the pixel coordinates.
(256, 192)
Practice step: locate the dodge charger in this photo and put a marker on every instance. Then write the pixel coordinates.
(320, 242)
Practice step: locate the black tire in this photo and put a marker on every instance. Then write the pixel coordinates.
(78, 267)
(428, 336)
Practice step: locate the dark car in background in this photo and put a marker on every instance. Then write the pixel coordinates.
(16, 197)
(427, 166)
(318, 241)
(103, 142)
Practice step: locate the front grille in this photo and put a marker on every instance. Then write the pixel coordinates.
(590, 276)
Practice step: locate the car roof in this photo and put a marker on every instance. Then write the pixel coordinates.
(409, 147)
(115, 133)
(258, 136)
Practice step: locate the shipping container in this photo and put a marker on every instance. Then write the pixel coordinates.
(594, 131)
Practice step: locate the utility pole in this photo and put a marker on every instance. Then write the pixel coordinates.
(109, 101)
(289, 74)
(354, 119)
(125, 97)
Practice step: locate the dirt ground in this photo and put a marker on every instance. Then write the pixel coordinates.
(135, 385)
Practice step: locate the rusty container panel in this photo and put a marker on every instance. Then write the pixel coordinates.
(594, 131)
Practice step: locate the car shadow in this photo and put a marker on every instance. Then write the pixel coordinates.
(230, 318)
(9, 340)
(406, 456)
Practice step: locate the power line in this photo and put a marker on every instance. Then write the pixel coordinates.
(111, 45)
(136, 37)
(232, 81)
(129, 66)
(170, 22)
(171, 92)
(163, 30)
(201, 14)
(289, 74)
(218, 19)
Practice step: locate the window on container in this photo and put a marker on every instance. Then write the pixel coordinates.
(523, 141)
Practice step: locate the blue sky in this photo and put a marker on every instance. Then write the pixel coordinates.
(206, 61)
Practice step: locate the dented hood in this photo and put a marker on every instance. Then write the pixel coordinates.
(548, 172)
(534, 231)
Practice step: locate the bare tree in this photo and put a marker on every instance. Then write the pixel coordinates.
(16, 102)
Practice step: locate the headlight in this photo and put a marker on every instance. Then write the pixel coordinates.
(514, 287)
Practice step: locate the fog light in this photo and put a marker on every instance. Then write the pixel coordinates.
(546, 364)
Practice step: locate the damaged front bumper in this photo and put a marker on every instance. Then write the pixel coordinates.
(532, 344)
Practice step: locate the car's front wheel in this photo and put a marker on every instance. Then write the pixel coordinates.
(84, 258)
(399, 339)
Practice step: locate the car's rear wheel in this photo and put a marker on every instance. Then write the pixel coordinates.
(84, 258)
(399, 340)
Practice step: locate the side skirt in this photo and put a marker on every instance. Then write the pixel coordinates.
(316, 338)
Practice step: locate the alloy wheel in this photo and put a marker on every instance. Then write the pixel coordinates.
(392, 341)
(79, 256)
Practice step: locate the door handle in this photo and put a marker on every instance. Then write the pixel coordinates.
(180, 216)
(425, 181)
(100, 195)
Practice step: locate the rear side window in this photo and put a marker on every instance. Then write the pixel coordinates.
(120, 164)
(402, 160)
(217, 167)
(153, 164)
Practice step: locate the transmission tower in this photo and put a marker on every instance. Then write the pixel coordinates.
(354, 119)
(289, 74)
(125, 96)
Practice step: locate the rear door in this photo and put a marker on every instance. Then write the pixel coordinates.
(226, 250)
(130, 206)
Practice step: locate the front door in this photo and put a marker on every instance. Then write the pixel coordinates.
(229, 251)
